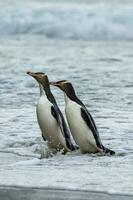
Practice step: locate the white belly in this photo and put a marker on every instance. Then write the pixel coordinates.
(80, 131)
(48, 125)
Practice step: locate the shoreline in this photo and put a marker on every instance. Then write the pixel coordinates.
(27, 193)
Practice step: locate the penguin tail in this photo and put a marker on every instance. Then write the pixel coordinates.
(108, 151)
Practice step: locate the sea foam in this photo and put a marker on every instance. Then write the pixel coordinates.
(68, 21)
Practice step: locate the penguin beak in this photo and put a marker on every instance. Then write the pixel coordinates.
(31, 74)
(34, 75)
(39, 76)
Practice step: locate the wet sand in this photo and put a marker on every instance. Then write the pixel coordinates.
(21, 193)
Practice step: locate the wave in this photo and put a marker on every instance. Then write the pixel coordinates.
(98, 21)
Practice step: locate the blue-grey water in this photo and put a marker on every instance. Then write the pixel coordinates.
(99, 65)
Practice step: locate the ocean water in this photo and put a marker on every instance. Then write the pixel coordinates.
(66, 41)
(87, 19)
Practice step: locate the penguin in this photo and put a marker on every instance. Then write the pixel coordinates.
(80, 121)
(50, 119)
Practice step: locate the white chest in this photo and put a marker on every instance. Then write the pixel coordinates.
(81, 133)
(48, 123)
(44, 116)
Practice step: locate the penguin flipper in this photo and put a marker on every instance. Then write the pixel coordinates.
(61, 122)
(58, 119)
(91, 125)
(69, 143)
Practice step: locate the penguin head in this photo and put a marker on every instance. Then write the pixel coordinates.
(40, 77)
(65, 86)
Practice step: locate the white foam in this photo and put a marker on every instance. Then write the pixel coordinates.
(87, 21)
